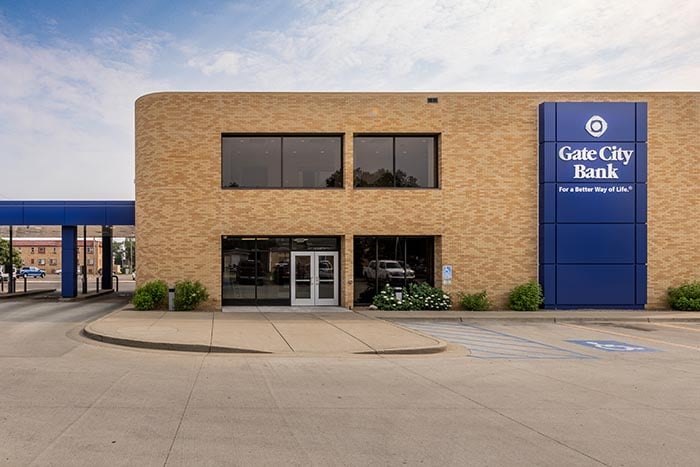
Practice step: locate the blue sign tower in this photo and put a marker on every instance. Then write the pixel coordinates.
(593, 204)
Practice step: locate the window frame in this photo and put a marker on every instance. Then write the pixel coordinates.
(436, 148)
(282, 136)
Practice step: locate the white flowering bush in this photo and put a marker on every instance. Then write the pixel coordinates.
(415, 297)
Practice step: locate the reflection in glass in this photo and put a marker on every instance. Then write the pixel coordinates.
(415, 162)
(273, 270)
(252, 162)
(312, 162)
(402, 161)
(374, 164)
(397, 261)
(315, 243)
(239, 269)
(302, 278)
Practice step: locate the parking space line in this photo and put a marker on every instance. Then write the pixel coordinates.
(675, 326)
(658, 341)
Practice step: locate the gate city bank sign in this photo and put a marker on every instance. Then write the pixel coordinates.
(593, 167)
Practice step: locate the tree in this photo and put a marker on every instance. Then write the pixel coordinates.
(4, 253)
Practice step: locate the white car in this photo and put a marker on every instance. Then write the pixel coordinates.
(387, 270)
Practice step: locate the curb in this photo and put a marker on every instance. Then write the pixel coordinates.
(155, 345)
(8, 296)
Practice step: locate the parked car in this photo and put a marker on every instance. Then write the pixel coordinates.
(5, 276)
(388, 271)
(58, 271)
(31, 271)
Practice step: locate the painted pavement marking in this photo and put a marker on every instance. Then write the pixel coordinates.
(633, 336)
(676, 326)
(613, 346)
(488, 344)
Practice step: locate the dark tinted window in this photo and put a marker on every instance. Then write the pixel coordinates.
(312, 162)
(254, 162)
(397, 261)
(415, 162)
(258, 162)
(374, 164)
(402, 161)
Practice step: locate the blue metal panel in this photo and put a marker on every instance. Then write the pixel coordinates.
(67, 213)
(611, 162)
(547, 251)
(85, 215)
(641, 278)
(11, 214)
(548, 277)
(69, 263)
(548, 197)
(582, 203)
(641, 202)
(596, 285)
(548, 161)
(641, 254)
(548, 119)
(121, 215)
(619, 117)
(641, 155)
(44, 214)
(595, 243)
(642, 121)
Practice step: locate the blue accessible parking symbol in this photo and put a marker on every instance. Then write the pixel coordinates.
(613, 346)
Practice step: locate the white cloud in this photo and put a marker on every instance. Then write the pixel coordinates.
(222, 62)
(66, 121)
(475, 45)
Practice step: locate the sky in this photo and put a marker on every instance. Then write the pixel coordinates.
(71, 70)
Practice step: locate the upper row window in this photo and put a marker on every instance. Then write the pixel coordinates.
(396, 161)
(282, 162)
(316, 161)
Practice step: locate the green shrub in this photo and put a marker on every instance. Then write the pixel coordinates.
(415, 297)
(474, 301)
(189, 295)
(150, 296)
(686, 297)
(526, 297)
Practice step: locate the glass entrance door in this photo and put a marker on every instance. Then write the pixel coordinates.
(314, 278)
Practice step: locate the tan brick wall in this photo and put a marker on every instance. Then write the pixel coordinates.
(485, 211)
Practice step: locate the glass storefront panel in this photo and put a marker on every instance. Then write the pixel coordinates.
(257, 271)
(273, 272)
(397, 261)
(315, 244)
(239, 273)
(326, 275)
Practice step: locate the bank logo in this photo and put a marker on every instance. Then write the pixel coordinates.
(596, 126)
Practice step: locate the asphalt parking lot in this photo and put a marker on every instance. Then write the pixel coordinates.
(563, 394)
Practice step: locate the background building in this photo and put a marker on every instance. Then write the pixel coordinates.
(46, 254)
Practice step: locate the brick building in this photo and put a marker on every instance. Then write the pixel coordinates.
(321, 198)
(46, 254)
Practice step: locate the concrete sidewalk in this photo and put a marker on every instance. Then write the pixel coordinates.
(550, 316)
(327, 330)
(338, 331)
